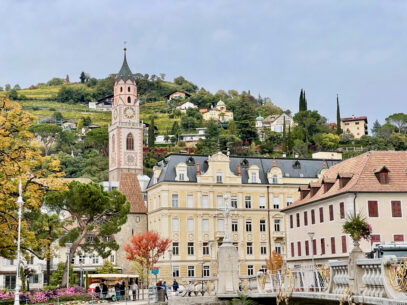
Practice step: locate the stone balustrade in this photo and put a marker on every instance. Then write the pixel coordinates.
(339, 277)
(373, 278)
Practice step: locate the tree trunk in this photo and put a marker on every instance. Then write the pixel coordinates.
(72, 252)
(48, 271)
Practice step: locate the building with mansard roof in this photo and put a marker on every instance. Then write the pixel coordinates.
(373, 184)
(186, 196)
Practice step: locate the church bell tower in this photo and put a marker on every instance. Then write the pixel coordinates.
(126, 131)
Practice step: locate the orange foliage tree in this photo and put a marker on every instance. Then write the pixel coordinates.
(274, 262)
(145, 249)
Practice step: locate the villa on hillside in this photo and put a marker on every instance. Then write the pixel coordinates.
(177, 94)
(218, 113)
(356, 127)
(185, 106)
(191, 139)
(274, 123)
(103, 104)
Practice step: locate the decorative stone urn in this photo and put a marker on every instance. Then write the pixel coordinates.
(355, 273)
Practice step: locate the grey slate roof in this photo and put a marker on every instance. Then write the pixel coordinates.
(125, 72)
(308, 168)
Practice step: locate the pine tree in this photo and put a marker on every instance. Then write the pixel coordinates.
(305, 102)
(338, 117)
(151, 135)
(300, 104)
(284, 137)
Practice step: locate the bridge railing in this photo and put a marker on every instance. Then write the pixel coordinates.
(339, 277)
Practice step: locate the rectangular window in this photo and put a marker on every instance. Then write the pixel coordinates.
(277, 225)
(305, 218)
(276, 202)
(112, 259)
(321, 214)
(206, 271)
(289, 200)
(191, 271)
(374, 238)
(262, 202)
(175, 271)
(291, 222)
(205, 249)
(314, 246)
(10, 281)
(190, 201)
(313, 217)
(219, 201)
(219, 177)
(249, 248)
(263, 248)
(95, 259)
(250, 270)
(306, 248)
(205, 225)
(175, 225)
(220, 224)
(34, 279)
(322, 246)
(262, 225)
(175, 248)
(344, 248)
(248, 202)
(81, 259)
(299, 248)
(248, 225)
(254, 178)
(278, 249)
(234, 225)
(331, 212)
(205, 201)
(298, 219)
(233, 202)
(398, 237)
(342, 209)
(373, 208)
(181, 176)
(175, 200)
(190, 225)
(292, 250)
(333, 246)
(396, 208)
(190, 248)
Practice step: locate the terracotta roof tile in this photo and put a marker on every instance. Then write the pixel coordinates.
(130, 187)
(361, 173)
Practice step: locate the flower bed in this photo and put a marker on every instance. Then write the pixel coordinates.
(77, 295)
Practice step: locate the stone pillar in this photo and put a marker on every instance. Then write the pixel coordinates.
(228, 269)
(355, 273)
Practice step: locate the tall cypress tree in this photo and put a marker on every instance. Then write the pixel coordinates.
(305, 101)
(284, 137)
(301, 104)
(338, 117)
(289, 140)
(151, 135)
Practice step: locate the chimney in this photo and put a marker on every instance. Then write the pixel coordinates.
(238, 169)
(198, 171)
(323, 164)
(274, 162)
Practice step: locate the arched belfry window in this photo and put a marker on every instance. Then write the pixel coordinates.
(129, 99)
(130, 142)
(128, 89)
(121, 89)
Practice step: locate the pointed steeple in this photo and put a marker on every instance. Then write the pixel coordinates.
(125, 72)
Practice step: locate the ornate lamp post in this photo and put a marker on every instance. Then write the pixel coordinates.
(20, 203)
(311, 236)
(68, 247)
(170, 255)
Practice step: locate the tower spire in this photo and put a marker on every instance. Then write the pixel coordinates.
(125, 72)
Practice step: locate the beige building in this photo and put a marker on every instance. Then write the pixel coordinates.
(356, 127)
(218, 113)
(274, 123)
(374, 184)
(186, 196)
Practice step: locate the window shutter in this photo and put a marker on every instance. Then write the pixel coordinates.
(396, 208)
(292, 250)
(306, 248)
(313, 217)
(373, 209)
(321, 214)
(333, 246)
(322, 246)
(291, 221)
(298, 219)
(344, 250)
(342, 209)
(299, 248)
(305, 218)
(374, 238)
(314, 246)
(398, 237)
(331, 212)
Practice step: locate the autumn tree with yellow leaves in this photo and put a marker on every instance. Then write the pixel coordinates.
(274, 262)
(20, 158)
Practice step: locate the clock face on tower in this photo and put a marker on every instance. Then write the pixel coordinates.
(129, 112)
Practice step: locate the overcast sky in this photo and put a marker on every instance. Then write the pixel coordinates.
(355, 48)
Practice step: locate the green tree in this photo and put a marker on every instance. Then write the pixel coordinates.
(310, 123)
(74, 94)
(107, 267)
(98, 139)
(151, 134)
(284, 137)
(104, 87)
(86, 121)
(376, 127)
(17, 87)
(244, 117)
(338, 117)
(399, 120)
(12, 95)
(7, 87)
(175, 129)
(56, 81)
(92, 211)
(58, 116)
(302, 101)
(58, 277)
(327, 141)
(210, 144)
(48, 134)
(82, 77)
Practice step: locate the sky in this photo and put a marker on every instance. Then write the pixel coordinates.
(354, 48)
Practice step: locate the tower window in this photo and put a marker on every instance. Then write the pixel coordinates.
(130, 142)
(129, 99)
(128, 89)
(121, 89)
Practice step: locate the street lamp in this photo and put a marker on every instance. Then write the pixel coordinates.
(20, 203)
(311, 236)
(68, 247)
(170, 255)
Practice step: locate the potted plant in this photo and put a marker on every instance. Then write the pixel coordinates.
(357, 227)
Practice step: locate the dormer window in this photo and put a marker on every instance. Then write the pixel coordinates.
(297, 165)
(245, 163)
(181, 176)
(383, 175)
(275, 179)
(219, 178)
(344, 178)
(254, 178)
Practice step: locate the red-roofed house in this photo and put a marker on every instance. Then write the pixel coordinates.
(354, 126)
(374, 184)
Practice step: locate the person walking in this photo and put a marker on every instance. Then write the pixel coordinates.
(123, 291)
(104, 290)
(97, 291)
(117, 290)
(164, 285)
(175, 287)
(134, 288)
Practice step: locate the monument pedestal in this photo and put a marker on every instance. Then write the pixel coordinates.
(228, 269)
(355, 273)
